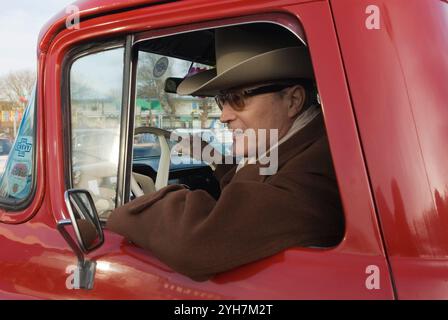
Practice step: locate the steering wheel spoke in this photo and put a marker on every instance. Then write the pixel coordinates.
(163, 169)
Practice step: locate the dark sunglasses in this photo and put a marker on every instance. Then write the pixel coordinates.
(236, 98)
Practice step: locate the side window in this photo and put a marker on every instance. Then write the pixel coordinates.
(17, 161)
(96, 82)
(223, 63)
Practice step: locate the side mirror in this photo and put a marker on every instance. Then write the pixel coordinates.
(171, 84)
(88, 231)
(84, 219)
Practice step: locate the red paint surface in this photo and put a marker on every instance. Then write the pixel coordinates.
(384, 99)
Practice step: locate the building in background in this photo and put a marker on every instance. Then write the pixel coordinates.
(10, 117)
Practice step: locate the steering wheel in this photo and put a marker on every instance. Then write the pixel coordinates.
(163, 170)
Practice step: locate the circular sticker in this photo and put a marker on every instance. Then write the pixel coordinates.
(160, 67)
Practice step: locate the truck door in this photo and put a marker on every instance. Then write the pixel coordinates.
(90, 79)
(356, 268)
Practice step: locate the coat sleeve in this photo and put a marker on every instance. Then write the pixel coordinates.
(198, 236)
(222, 170)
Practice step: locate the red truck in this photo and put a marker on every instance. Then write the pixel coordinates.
(381, 69)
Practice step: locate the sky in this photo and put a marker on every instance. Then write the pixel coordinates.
(20, 24)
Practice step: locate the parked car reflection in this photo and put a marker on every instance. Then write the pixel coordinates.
(5, 148)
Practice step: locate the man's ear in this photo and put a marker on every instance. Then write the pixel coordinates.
(296, 96)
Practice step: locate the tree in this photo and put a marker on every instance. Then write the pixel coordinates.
(17, 85)
(150, 87)
(205, 106)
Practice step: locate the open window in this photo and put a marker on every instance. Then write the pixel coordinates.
(100, 133)
(103, 133)
(161, 64)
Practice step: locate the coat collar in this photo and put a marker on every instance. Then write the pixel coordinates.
(301, 140)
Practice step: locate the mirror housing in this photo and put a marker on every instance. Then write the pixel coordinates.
(84, 219)
(171, 84)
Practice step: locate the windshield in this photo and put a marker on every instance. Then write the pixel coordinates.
(18, 159)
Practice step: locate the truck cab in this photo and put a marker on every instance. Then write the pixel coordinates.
(102, 71)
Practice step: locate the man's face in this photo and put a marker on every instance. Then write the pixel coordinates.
(267, 111)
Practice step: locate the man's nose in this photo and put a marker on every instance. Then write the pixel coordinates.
(227, 113)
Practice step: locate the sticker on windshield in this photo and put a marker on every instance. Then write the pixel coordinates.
(19, 176)
(23, 147)
(18, 179)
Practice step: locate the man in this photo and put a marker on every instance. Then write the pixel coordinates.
(261, 81)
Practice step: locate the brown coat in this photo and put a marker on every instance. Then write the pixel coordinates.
(256, 216)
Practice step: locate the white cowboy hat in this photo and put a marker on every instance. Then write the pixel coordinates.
(247, 58)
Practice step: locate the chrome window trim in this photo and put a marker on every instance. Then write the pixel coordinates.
(127, 124)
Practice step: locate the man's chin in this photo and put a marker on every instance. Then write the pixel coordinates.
(242, 147)
(244, 153)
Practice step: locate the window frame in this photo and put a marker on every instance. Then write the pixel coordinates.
(130, 45)
(70, 58)
(127, 124)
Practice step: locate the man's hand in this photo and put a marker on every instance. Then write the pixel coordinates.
(194, 146)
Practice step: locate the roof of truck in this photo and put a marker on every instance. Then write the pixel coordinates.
(87, 9)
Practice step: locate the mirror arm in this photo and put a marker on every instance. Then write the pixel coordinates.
(85, 272)
(79, 212)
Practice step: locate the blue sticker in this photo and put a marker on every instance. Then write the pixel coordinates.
(18, 175)
(23, 147)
